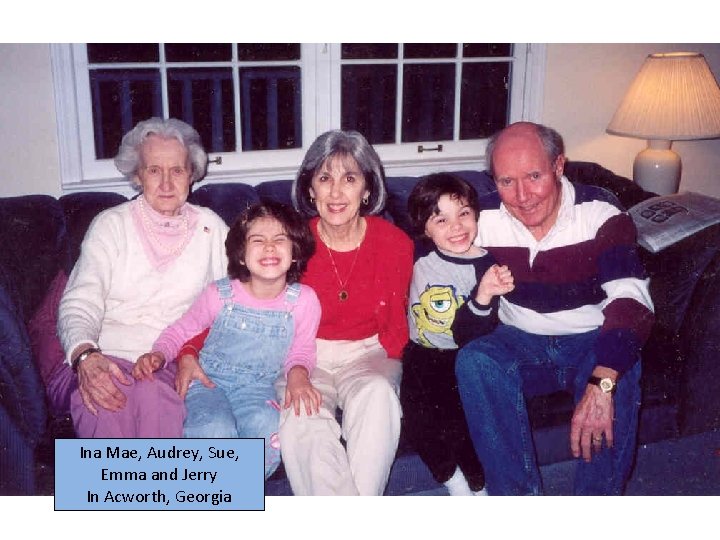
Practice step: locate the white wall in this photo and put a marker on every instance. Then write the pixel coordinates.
(584, 84)
(28, 132)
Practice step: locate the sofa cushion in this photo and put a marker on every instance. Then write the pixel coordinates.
(42, 330)
(276, 190)
(79, 210)
(399, 188)
(226, 200)
(627, 192)
(480, 180)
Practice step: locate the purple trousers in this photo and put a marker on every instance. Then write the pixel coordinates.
(153, 408)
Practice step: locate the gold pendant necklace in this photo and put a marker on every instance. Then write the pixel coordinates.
(342, 293)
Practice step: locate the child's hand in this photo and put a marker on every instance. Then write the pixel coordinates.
(189, 370)
(300, 390)
(147, 364)
(497, 281)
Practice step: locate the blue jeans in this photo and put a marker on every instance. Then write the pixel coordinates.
(496, 373)
(243, 355)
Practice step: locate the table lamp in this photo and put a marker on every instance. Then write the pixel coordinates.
(674, 97)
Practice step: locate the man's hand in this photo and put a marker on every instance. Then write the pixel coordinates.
(300, 390)
(96, 385)
(189, 370)
(593, 419)
(147, 364)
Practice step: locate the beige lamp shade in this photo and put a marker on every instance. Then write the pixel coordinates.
(674, 97)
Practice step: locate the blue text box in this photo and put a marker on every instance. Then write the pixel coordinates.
(159, 474)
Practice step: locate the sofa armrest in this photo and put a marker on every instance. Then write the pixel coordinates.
(21, 392)
(700, 354)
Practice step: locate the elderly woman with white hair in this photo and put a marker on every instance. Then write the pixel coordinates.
(141, 265)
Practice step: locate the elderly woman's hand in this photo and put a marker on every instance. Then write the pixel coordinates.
(147, 364)
(96, 385)
(300, 391)
(189, 370)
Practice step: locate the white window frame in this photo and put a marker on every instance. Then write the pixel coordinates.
(321, 66)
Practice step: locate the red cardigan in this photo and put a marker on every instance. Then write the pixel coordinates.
(377, 288)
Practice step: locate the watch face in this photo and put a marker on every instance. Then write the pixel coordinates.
(606, 385)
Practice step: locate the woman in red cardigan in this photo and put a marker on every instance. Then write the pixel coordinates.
(361, 272)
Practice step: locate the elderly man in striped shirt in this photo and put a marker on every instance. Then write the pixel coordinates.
(576, 320)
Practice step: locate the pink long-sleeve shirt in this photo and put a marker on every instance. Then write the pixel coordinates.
(201, 315)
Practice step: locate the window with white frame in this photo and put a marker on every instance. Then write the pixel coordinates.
(257, 107)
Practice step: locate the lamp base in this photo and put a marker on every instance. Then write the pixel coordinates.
(658, 168)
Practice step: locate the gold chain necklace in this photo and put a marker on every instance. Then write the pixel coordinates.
(342, 293)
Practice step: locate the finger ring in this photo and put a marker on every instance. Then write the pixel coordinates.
(597, 439)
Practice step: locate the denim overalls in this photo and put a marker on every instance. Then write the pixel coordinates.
(243, 355)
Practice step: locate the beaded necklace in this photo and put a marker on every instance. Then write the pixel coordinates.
(148, 226)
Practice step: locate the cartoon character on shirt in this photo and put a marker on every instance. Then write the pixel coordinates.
(435, 312)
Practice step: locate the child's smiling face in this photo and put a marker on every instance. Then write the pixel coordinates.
(454, 227)
(268, 252)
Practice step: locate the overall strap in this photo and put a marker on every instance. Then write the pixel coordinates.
(225, 290)
(292, 293)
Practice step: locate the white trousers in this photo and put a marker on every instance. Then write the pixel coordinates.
(358, 377)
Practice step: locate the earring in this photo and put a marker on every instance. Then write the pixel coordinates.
(312, 199)
(365, 200)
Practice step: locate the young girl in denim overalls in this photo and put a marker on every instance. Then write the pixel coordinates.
(262, 322)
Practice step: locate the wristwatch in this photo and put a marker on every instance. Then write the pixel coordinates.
(606, 384)
(82, 356)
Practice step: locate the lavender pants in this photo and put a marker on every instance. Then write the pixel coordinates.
(153, 408)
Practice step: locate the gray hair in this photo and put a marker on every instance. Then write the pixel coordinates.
(340, 143)
(551, 140)
(127, 160)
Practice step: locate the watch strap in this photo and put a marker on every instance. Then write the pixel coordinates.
(82, 356)
(598, 380)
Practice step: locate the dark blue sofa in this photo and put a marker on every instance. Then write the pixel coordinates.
(41, 236)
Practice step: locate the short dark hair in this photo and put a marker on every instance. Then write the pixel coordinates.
(423, 199)
(297, 229)
(339, 143)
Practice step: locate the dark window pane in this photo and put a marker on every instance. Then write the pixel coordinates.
(480, 50)
(365, 51)
(428, 102)
(484, 99)
(255, 52)
(120, 99)
(270, 105)
(369, 97)
(198, 52)
(430, 50)
(204, 99)
(122, 52)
